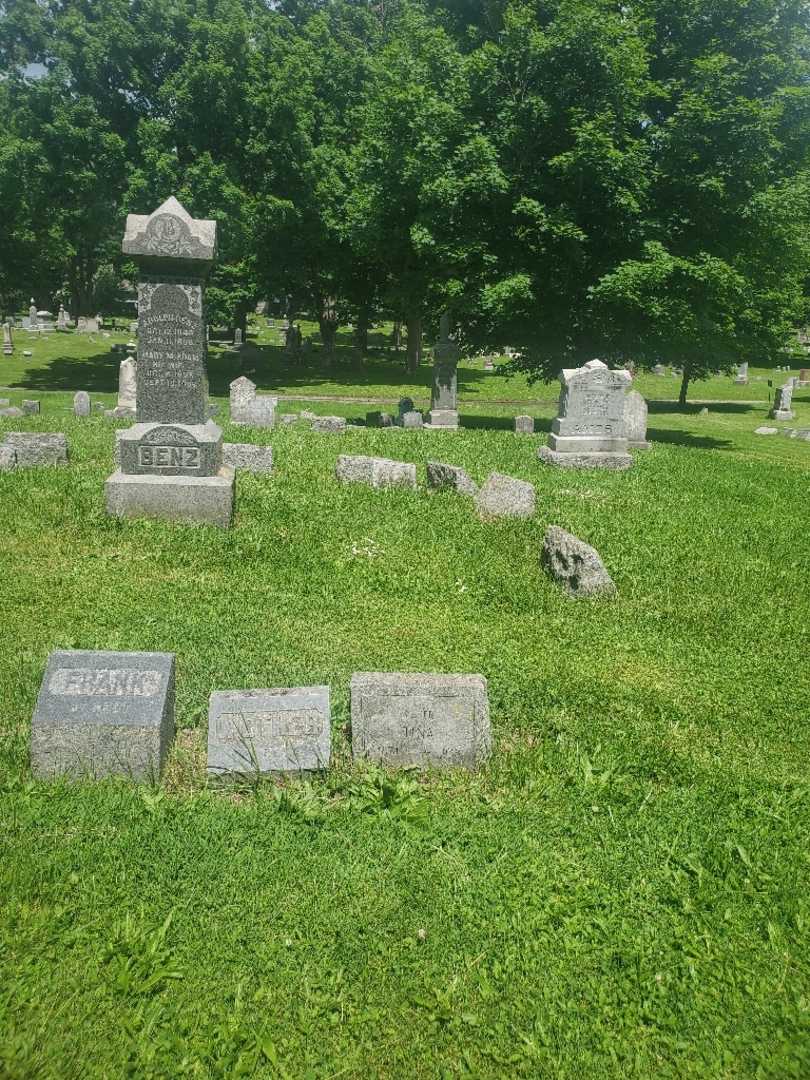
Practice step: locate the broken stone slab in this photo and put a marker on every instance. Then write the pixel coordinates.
(765, 430)
(248, 457)
(592, 460)
(329, 425)
(375, 472)
(442, 477)
(38, 449)
(575, 565)
(504, 496)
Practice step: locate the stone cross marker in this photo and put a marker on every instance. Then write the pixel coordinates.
(8, 345)
(269, 731)
(171, 459)
(422, 720)
(444, 393)
(589, 430)
(103, 714)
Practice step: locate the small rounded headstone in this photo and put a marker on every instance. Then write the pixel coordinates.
(81, 403)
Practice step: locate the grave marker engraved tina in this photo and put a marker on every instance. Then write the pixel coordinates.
(171, 459)
(421, 720)
(103, 714)
(268, 731)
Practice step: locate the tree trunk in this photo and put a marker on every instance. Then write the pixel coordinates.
(80, 279)
(413, 356)
(361, 333)
(396, 336)
(684, 385)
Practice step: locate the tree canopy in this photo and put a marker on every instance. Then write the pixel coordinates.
(572, 178)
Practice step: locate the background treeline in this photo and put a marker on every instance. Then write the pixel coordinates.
(572, 178)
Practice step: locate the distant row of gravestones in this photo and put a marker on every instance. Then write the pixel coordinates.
(104, 714)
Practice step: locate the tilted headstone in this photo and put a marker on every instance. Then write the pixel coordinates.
(589, 430)
(269, 731)
(104, 714)
(171, 459)
(635, 421)
(504, 496)
(248, 457)
(375, 472)
(81, 403)
(782, 402)
(42, 448)
(575, 564)
(441, 477)
(444, 392)
(524, 425)
(247, 407)
(742, 374)
(8, 340)
(30, 408)
(420, 720)
(412, 419)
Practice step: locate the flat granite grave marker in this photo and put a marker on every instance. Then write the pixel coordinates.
(38, 448)
(375, 472)
(588, 433)
(421, 720)
(269, 731)
(104, 714)
(171, 459)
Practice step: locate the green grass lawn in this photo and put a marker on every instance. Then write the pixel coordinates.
(621, 892)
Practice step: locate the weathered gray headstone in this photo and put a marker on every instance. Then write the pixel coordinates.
(504, 496)
(248, 457)
(11, 410)
(307, 414)
(104, 714)
(379, 419)
(8, 457)
(375, 472)
(33, 318)
(742, 374)
(575, 564)
(8, 340)
(524, 425)
(237, 336)
(635, 421)
(81, 403)
(30, 408)
(127, 385)
(38, 449)
(421, 720)
(442, 477)
(329, 425)
(782, 402)
(412, 419)
(247, 407)
(61, 318)
(87, 324)
(171, 459)
(269, 731)
(804, 377)
(589, 430)
(659, 369)
(444, 392)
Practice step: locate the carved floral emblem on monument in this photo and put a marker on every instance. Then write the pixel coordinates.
(167, 235)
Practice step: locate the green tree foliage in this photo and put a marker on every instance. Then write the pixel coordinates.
(572, 178)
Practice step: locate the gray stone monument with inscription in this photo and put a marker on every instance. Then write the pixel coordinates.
(8, 341)
(444, 394)
(589, 432)
(422, 720)
(269, 731)
(171, 458)
(104, 714)
(783, 402)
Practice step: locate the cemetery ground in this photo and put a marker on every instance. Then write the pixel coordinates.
(621, 892)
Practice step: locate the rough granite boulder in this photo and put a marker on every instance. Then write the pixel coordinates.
(441, 477)
(575, 564)
(504, 496)
(375, 472)
(35, 449)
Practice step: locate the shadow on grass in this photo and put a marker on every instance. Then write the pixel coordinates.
(686, 438)
(498, 423)
(727, 407)
(96, 374)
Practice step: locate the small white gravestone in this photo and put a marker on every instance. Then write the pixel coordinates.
(8, 346)
(127, 383)
(61, 318)
(742, 374)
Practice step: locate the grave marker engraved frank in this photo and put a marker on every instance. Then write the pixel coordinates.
(419, 719)
(261, 731)
(103, 714)
(171, 459)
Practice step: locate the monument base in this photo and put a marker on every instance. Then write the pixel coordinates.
(782, 414)
(443, 418)
(638, 444)
(585, 460)
(204, 500)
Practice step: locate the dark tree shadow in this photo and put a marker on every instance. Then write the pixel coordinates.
(96, 374)
(685, 438)
(727, 407)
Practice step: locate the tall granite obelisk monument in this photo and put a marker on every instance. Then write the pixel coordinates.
(444, 394)
(171, 459)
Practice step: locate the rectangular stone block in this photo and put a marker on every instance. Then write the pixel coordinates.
(171, 449)
(30, 408)
(254, 459)
(329, 425)
(104, 714)
(32, 449)
(376, 472)
(524, 425)
(269, 731)
(444, 418)
(199, 500)
(420, 720)
(412, 419)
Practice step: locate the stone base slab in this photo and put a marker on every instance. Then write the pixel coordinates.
(204, 500)
(585, 444)
(639, 444)
(584, 460)
(443, 418)
(782, 414)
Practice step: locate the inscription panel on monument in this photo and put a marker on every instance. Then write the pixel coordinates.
(171, 379)
(281, 730)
